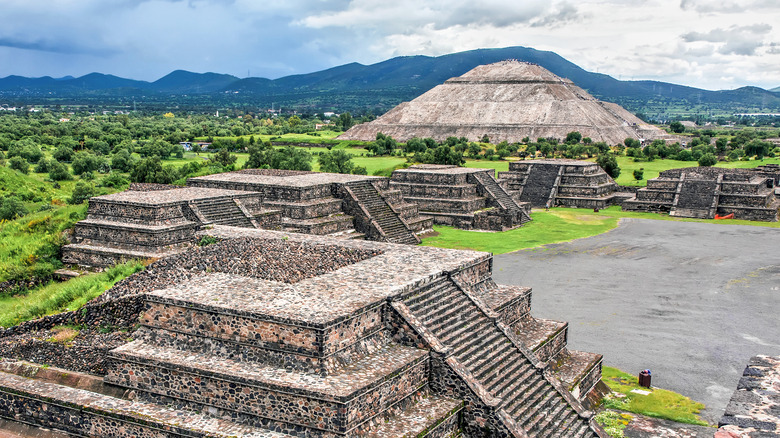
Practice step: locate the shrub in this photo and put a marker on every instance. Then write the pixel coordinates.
(708, 160)
(43, 165)
(11, 208)
(639, 174)
(81, 192)
(59, 172)
(114, 180)
(20, 164)
(608, 162)
(85, 161)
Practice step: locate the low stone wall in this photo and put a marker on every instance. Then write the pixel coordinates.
(135, 214)
(307, 210)
(145, 238)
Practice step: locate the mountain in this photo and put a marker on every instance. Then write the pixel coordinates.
(775, 90)
(181, 81)
(381, 86)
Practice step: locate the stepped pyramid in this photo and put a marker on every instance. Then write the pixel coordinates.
(353, 206)
(508, 100)
(703, 192)
(461, 197)
(567, 183)
(273, 334)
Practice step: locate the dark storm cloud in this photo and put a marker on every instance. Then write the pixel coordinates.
(57, 46)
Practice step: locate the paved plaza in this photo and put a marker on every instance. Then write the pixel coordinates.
(691, 301)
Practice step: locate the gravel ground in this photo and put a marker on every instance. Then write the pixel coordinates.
(690, 301)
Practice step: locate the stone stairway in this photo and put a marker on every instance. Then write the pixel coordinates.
(539, 184)
(496, 362)
(388, 221)
(499, 195)
(223, 211)
(695, 198)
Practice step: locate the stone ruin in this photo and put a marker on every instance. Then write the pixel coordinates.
(137, 224)
(561, 183)
(156, 221)
(754, 408)
(704, 192)
(356, 206)
(507, 101)
(460, 197)
(273, 334)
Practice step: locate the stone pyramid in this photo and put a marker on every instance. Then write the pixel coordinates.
(508, 100)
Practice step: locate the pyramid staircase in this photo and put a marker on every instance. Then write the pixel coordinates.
(388, 222)
(540, 184)
(500, 368)
(223, 211)
(500, 196)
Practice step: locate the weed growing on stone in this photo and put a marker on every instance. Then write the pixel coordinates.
(613, 422)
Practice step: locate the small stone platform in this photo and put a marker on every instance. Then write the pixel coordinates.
(152, 224)
(329, 203)
(561, 183)
(704, 192)
(460, 197)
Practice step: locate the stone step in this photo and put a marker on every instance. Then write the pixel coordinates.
(266, 395)
(579, 371)
(545, 337)
(519, 374)
(433, 416)
(438, 315)
(525, 397)
(85, 413)
(551, 418)
(459, 329)
(419, 300)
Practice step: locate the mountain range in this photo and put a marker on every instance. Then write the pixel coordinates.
(385, 84)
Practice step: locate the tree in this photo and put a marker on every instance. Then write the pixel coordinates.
(677, 127)
(344, 121)
(708, 160)
(151, 170)
(609, 163)
(639, 174)
(474, 149)
(446, 155)
(224, 157)
(84, 161)
(59, 172)
(81, 192)
(20, 164)
(43, 165)
(63, 153)
(122, 160)
(758, 148)
(11, 208)
(573, 137)
(336, 161)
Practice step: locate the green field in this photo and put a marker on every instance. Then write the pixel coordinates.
(653, 168)
(554, 226)
(660, 403)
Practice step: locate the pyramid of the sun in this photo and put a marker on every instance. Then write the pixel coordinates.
(508, 100)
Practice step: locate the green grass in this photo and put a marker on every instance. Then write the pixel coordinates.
(554, 226)
(487, 164)
(655, 167)
(60, 297)
(660, 403)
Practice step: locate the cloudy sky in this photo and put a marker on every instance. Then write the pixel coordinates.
(712, 44)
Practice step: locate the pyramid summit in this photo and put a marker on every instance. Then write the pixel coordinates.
(507, 100)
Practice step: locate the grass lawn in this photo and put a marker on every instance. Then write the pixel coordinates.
(498, 165)
(60, 297)
(554, 226)
(653, 168)
(660, 403)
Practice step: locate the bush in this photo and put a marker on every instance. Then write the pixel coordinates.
(708, 160)
(43, 165)
(59, 172)
(20, 164)
(85, 161)
(639, 174)
(608, 162)
(81, 192)
(63, 153)
(11, 208)
(114, 180)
